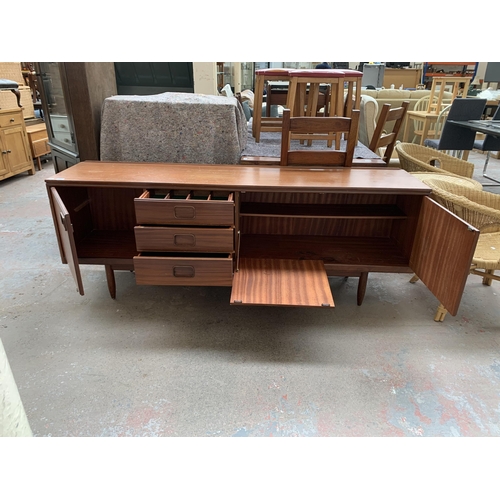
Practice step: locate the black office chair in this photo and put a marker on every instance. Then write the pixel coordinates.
(453, 137)
(489, 143)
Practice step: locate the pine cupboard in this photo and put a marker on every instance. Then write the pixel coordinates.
(272, 234)
(15, 155)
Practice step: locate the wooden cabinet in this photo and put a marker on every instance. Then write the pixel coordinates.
(273, 234)
(15, 156)
(72, 95)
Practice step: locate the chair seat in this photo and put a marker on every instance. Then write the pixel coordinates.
(431, 143)
(8, 84)
(272, 72)
(453, 179)
(317, 73)
(352, 73)
(486, 255)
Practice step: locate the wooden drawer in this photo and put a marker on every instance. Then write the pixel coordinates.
(37, 135)
(187, 239)
(183, 269)
(176, 207)
(9, 119)
(40, 147)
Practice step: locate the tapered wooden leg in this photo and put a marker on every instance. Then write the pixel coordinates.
(363, 279)
(440, 313)
(487, 280)
(414, 279)
(110, 278)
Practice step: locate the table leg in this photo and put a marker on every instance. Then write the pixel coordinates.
(363, 280)
(110, 278)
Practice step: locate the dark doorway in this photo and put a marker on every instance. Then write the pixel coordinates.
(147, 78)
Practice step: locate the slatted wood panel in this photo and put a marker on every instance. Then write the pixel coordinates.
(442, 253)
(281, 282)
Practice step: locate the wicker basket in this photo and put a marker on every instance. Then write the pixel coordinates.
(12, 71)
(8, 100)
(416, 158)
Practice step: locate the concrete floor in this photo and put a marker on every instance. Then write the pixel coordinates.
(179, 361)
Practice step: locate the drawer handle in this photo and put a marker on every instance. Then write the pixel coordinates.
(12, 120)
(185, 240)
(183, 271)
(183, 212)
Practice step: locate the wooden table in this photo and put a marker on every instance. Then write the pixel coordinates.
(272, 234)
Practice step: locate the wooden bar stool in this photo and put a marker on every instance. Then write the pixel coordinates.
(304, 90)
(303, 94)
(266, 123)
(427, 119)
(459, 87)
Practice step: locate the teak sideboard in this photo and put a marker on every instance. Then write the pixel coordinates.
(272, 234)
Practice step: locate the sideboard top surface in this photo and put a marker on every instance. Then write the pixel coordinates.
(238, 177)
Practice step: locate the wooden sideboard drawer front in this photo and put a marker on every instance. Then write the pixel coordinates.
(188, 239)
(10, 119)
(184, 271)
(184, 211)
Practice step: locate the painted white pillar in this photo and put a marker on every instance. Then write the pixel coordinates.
(205, 78)
(13, 420)
(237, 77)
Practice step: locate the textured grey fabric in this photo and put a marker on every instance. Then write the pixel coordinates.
(173, 127)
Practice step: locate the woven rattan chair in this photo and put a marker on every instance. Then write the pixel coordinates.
(480, 209)
(417, 158)
(454, 179)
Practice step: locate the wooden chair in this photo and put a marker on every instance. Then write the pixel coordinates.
(425, 120)
(381, 137)
(480, 209)
(459, 88)
(318, 128)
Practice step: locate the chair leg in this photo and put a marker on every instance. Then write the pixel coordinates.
(486, 162)
(487, 280)
(440, 313)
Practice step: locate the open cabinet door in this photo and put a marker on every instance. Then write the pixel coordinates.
(66, 238)
(442, 253)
